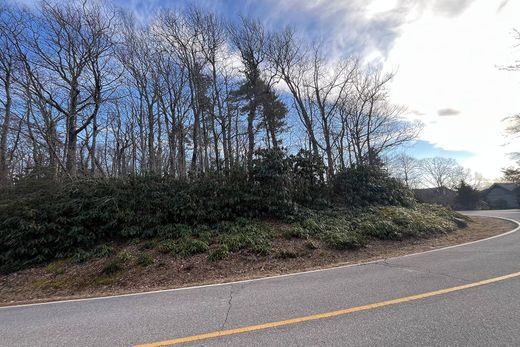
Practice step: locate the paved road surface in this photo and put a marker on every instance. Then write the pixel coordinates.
(469, 314)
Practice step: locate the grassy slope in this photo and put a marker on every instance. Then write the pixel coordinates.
(311, 234)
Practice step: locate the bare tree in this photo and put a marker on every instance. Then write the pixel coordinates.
(86, 90)
(289, 59)
(212, 41)
(180, 35)
(441, 172)
(406, 168)
(327, 87)
(249, 38)
(373, 123)
(138, 56)
(7, 66)
(61, 53)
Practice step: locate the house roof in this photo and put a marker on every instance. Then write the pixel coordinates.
(510, 187)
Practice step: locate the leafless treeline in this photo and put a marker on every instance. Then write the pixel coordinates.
(86, 90)
(435, 172)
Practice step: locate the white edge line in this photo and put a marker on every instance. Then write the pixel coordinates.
(271, 277)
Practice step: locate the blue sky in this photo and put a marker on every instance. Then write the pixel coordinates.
(424, 149)
(447, 55)
(318, 19)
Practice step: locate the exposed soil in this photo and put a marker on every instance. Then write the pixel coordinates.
(65, 280)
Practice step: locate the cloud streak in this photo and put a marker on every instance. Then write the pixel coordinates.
(448, 112)
(356, 27)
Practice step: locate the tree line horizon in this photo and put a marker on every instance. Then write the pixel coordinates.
(88, 91)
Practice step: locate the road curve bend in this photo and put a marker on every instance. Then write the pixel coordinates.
(467, 295)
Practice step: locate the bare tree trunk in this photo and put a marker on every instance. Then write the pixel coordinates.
(70, 163)
(151, 138)
(215, 143)
(250, 139)
(93, 147)
(4, 131)
(182, 152)
(205, 142)
(196, 128)
(328, 148)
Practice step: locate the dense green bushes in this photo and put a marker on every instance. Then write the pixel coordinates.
(397, 223)
(350, 229)
(362, 186)
(468, 197)
(42, 220)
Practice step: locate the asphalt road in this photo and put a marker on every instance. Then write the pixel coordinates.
(471, 313)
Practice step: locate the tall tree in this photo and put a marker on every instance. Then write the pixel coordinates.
(7, 67)
(441, 172)
(289, 59)
(61, 53)
(406, 168)
(86, 90)
(250, 39)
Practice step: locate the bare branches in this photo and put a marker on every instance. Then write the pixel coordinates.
(87, 90)
(442, 172)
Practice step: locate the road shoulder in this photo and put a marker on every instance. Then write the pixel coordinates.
(20, 288)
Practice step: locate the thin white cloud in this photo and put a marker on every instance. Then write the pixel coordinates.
(453, 61)
(448, 112)
(446, 53)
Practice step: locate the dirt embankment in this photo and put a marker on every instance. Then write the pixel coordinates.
(64, 280)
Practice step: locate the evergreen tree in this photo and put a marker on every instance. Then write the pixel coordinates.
(467, 196)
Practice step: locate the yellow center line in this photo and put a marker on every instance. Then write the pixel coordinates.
(326, 314)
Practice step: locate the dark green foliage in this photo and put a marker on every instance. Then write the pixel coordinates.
(123, 257)
(167, 246)
(335, 229)
(81, 256)
(381, 229)
(295, 231)
(172, 231)
(190, 246)
(111, 267)
(254, 237)
(41, 220)
(222, 252)
(349, 229)
(467, 197)
(184, 247)
(397, 223)
(362, 186)
(271, 181)
(102, 251)
(148, 245)
(344, 241)
(274, 112)
(308, 184)
(45, 221)
(281, 181)
(261, 247)
(145, 259)
(116, 264)
(310, 225)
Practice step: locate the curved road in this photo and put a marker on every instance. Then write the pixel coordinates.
(460, 296)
